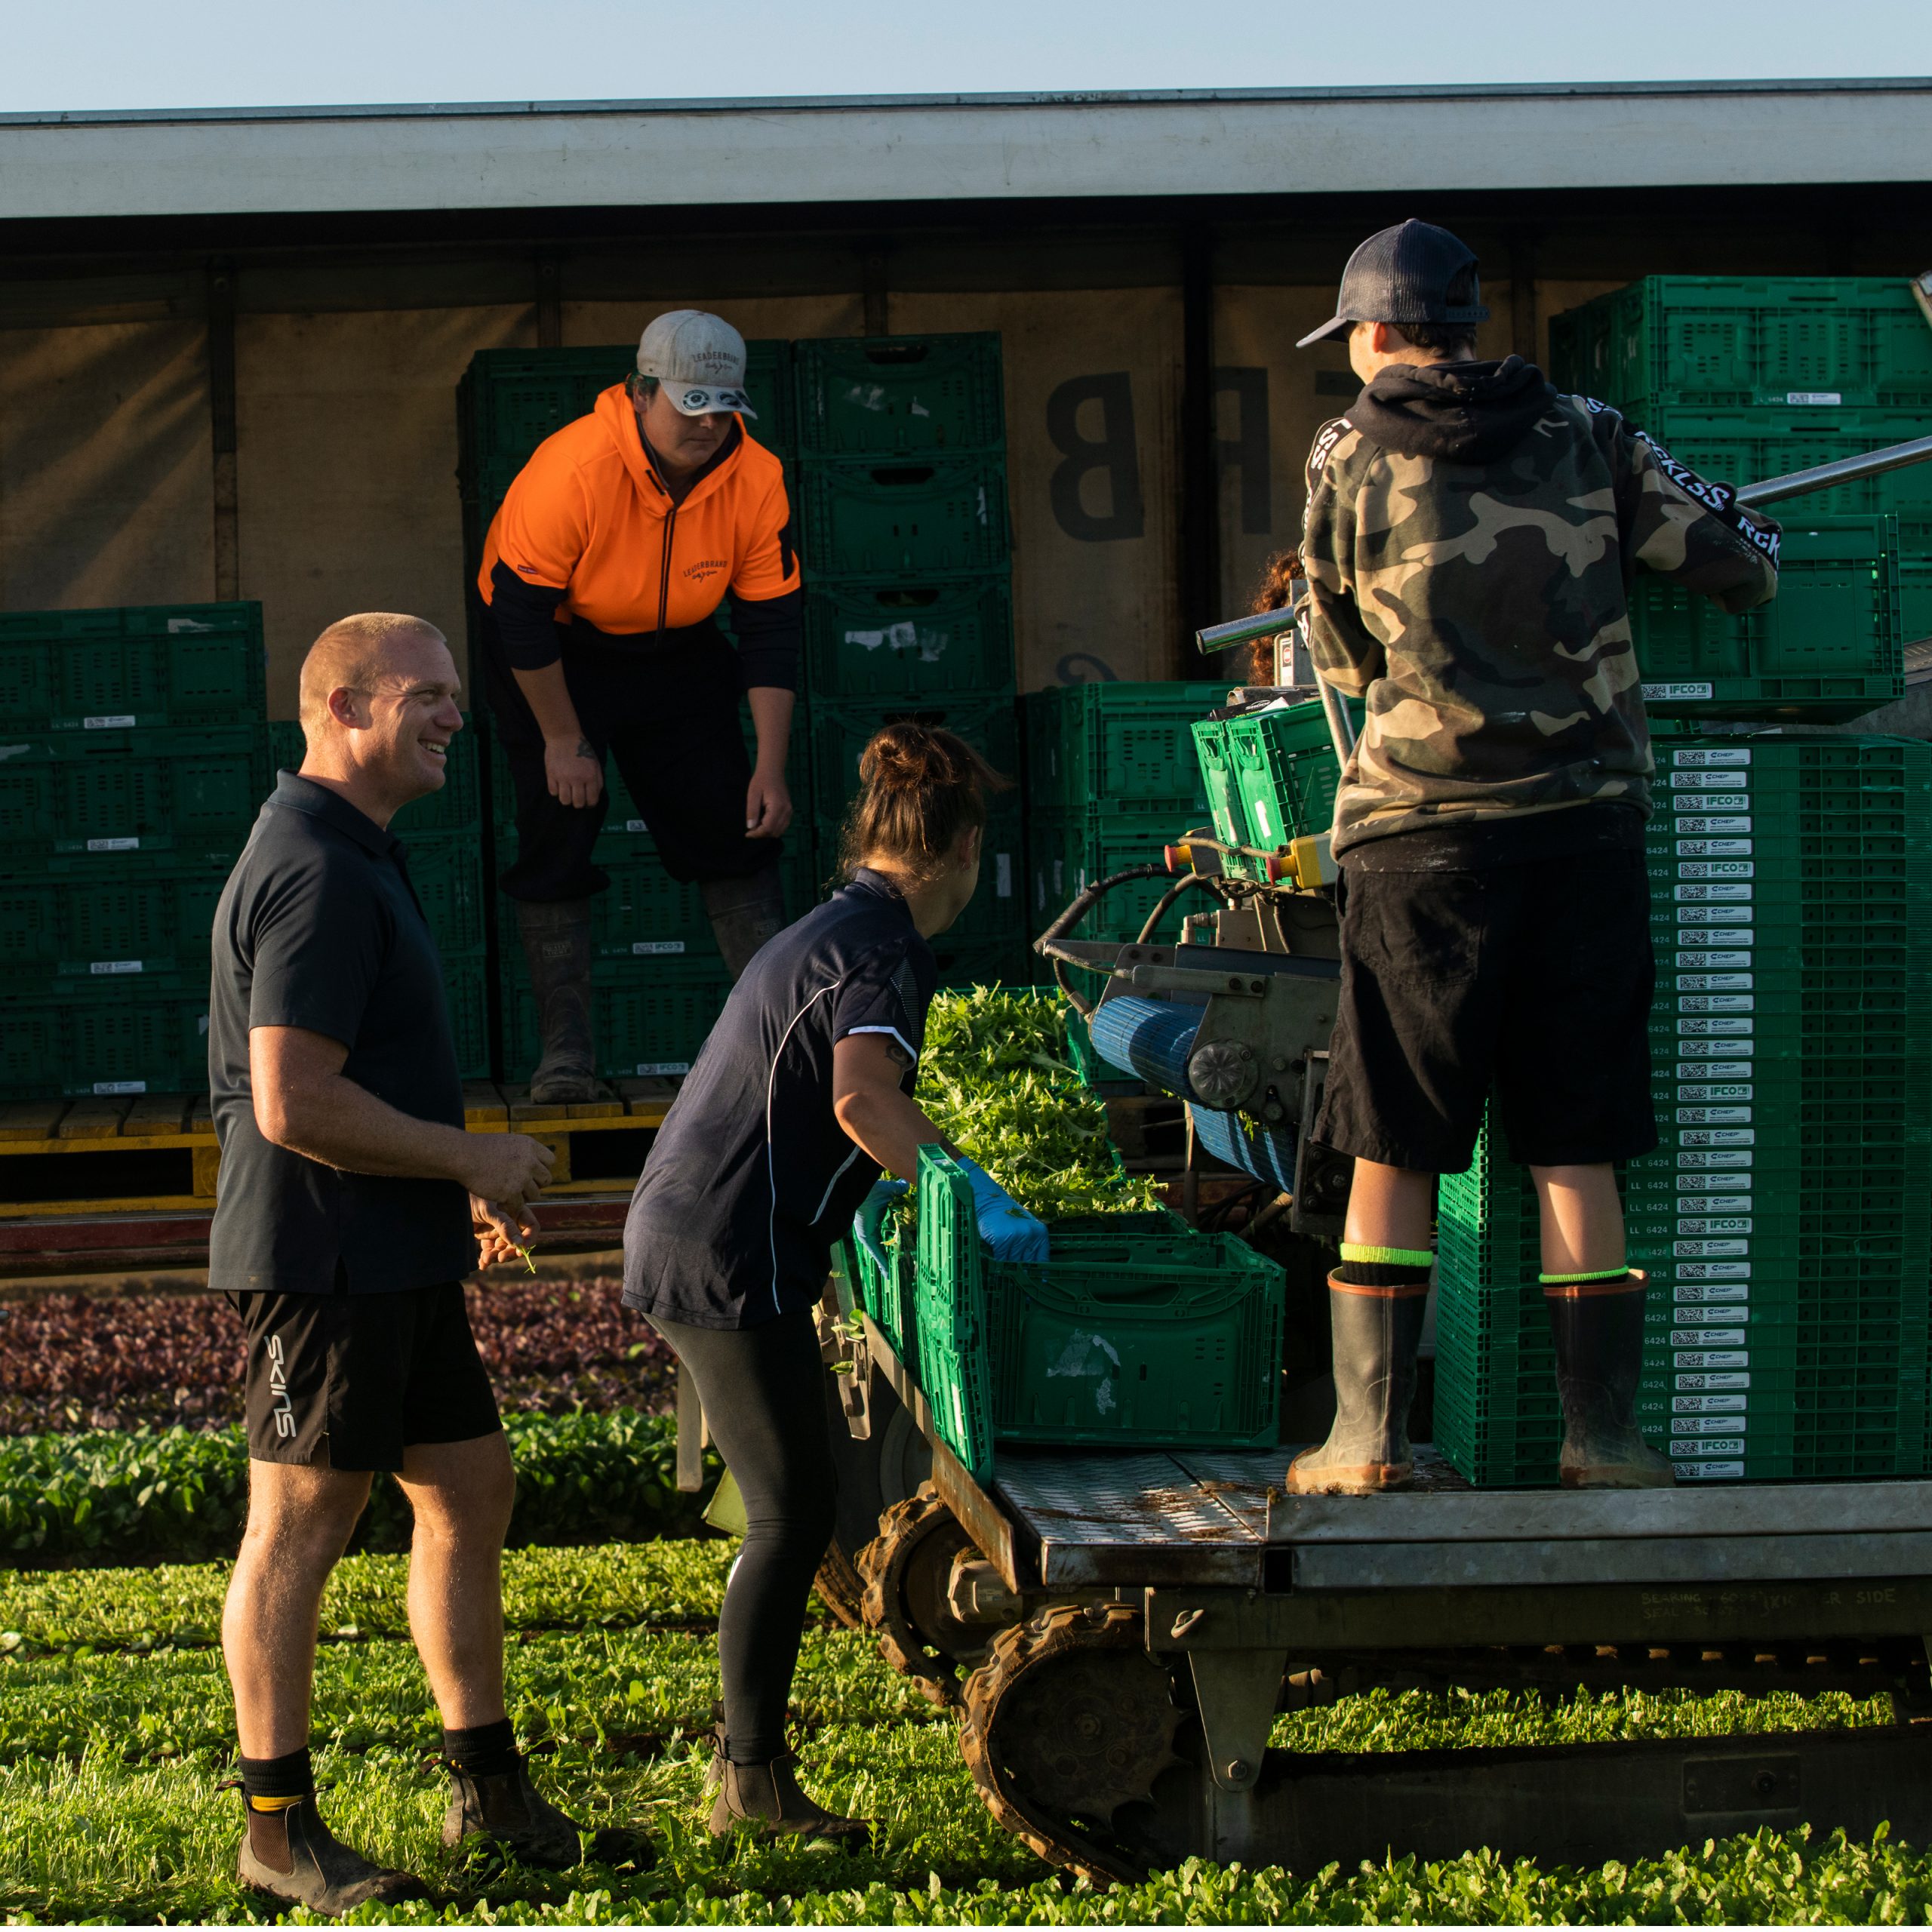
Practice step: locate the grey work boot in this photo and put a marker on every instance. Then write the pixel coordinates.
(556, 942)
(507, 1809)
(766, 1798)
(291, 1855)
(1376, 1333)
(744, 913)
(1599, 1338)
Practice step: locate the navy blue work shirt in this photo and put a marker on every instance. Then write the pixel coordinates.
(319, 928)
(751, 1179)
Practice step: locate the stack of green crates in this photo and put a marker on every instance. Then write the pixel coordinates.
(442, 836)
(909, 602)
(1112, 780)
(136, 765)
(1744, 378)
(1786, 1221)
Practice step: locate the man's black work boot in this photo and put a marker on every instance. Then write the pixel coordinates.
(556, 942)
(766, 1798)
(1376, 1333)
(507, 1809)
(287, 1852)
(1599, 1336)
(744, 913)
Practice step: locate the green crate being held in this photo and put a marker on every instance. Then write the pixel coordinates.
(1129, 1337)
(1829, 645)
(143, 666)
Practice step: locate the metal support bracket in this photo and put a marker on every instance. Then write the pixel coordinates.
(1236, 1692)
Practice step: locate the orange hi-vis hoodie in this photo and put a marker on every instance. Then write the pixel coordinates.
(589, 548)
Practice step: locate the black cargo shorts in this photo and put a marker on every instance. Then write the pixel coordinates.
(1532, 979)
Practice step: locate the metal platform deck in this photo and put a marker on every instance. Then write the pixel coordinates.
(1208, 1519)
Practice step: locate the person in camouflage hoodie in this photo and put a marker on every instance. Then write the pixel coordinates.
(1469, 541)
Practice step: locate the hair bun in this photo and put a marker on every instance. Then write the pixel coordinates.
(906, 755)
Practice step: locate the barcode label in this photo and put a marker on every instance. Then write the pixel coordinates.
(112, 1086)
(115, 966)
(114, 844)
(1814, 398)
(655, 948)
(118, 720)
(1657, 694)
(1709, 757)
(654, 1069)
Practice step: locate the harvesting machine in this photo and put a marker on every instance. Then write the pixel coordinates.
(1117, 1631)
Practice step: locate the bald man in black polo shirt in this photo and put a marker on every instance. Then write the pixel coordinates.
(351, 1203)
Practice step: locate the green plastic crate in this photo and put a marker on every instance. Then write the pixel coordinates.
(175, 791)
(1066, 856)
(1915, 596)
(144, 1037)
(649, 1017)
(1776, 342)
(917, 517)
(144, 665)
(1129, 1337)
(894, 640)
(1830, 644)
(1741, 446)
(465, 989)
(896, 395)
(1285, 771)
(1118, 747)
(447, 875)
(457, 807)
(106, 918)
(1220, 784)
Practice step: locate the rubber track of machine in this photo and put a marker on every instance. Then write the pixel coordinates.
(1119, 1743)
(882, 1567)
(841, 1589)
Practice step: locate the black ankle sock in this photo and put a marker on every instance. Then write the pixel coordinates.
(486, 1752)
(1381, 1274)
(291, 1776)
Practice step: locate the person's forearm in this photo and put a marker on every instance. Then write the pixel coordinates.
(890, 1128)
(549, 700)
(771, 717)
(342, 1125)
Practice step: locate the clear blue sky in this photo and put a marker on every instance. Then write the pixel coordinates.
(133, 54)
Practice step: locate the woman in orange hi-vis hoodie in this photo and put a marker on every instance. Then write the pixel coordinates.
(601, 573)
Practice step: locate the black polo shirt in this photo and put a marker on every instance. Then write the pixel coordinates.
(318, 928)
(751, 1179)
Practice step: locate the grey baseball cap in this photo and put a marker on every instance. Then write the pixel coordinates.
(699, 361)
(1410, 273)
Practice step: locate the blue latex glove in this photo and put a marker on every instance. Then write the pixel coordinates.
(1005, 1226)
(868, 1224)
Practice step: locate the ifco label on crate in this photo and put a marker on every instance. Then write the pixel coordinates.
(1655, 693)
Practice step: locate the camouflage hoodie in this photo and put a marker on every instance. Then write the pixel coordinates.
(1469, 540)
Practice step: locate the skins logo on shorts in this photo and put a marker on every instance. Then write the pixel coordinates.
(284, 1409)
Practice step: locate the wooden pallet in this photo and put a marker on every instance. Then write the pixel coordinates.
(157, 1154)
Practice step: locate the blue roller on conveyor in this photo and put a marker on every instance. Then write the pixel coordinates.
(1152, 1036)
(1268, 1153)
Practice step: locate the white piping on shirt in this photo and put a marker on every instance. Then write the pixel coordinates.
(771, 1163)
(896, 1034)
(837, 1174)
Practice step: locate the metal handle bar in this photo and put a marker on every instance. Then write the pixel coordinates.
(1773, 489)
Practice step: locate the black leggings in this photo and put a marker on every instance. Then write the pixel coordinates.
(764, 1395)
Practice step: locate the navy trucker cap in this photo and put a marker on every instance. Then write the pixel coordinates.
(1410, 273)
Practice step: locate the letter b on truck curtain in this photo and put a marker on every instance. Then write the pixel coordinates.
(1096, 491)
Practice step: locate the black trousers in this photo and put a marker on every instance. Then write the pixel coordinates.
(670, 719)
(764, 1395)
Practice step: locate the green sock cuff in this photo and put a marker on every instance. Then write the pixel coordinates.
(1387, 1257)
(1589, 1275)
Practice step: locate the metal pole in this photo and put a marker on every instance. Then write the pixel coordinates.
(1846, 469)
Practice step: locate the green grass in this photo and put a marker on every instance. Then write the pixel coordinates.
(115, 1730)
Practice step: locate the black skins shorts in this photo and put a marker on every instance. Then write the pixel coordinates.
(1532, 979)
(349, 1381)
